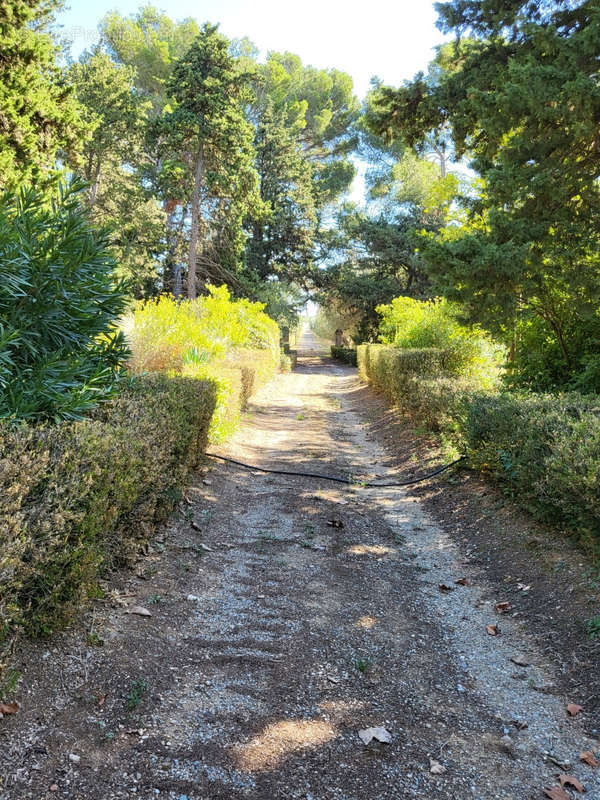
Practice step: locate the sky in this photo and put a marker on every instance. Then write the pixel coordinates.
(392, 39)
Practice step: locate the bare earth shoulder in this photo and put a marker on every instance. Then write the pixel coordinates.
(285, 616)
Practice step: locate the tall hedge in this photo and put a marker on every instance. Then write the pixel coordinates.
(79, 497)
(543, 448)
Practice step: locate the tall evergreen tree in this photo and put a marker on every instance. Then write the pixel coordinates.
(281, 239)
(206, 137)
(38, 116)
(114, 164)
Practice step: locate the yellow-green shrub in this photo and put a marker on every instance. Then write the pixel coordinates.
(165, 334)
(434, 324)
(78, 497)
(231, 342)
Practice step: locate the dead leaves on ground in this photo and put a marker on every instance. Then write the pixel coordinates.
(503, 607)
(463, 582)
(556, 793)
(573, 709)
(335, 523)
(7, 709)
(492, 630)
(569, 780)
(588, 758)
(443, 587)
(379, 734)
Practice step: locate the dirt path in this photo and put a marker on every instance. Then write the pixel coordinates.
(287, 615)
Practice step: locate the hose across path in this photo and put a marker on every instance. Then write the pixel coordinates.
(349, 480)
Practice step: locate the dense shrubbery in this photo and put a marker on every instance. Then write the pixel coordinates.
(60, 354)
(80, 496)
(232, 342)
(544, 448)
(426, 383)
(415, 324)
(345, 354)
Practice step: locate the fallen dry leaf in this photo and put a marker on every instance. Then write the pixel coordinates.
(523, 587)
(569, 780)
(368, 734)
(335, 523)
(492, 630)
(502, 608)
(573, 709)
(443, 587)
(520, 661)
(556, 793)
(588, 758)
(8, 708)
(463, 582)
(436, 768)
(139, 610)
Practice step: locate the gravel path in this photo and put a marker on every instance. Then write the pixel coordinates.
(286, 615)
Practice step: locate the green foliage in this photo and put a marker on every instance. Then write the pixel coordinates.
(149, 42)
(136, 693)
(78, 497)
(60, 353)
(408, 323)
(231, 342)
(114, 164)
(38, 116)
(428, 384)
(345, 354)
(281, 239)
(204, 138)
(546, 450)
(521, 98)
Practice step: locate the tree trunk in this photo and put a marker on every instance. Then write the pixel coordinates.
(194, 233)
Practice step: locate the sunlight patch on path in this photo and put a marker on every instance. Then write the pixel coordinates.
(280, 740)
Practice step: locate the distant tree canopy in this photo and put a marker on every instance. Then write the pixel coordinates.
(206, 164)
(520, 96)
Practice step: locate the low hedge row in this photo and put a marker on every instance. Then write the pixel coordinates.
(237, 376)
(545, 449)
(345, 354)
(78, 497)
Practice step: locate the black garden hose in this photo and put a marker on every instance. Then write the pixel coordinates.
(348, 480)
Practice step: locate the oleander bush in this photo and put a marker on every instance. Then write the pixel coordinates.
(61, 353)
(81, 496)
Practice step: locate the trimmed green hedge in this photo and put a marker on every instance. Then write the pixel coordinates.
(421, 382)
(545, 449)
(345, 354)
(79, 497)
